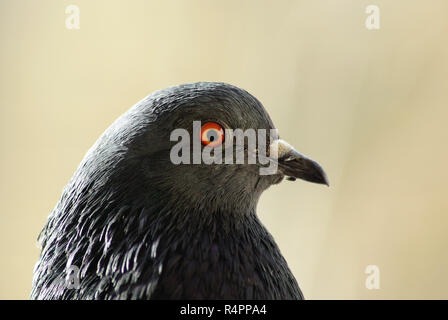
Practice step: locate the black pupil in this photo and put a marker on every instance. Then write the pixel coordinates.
(212, 135)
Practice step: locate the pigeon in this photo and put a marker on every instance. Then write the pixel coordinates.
(132, 224)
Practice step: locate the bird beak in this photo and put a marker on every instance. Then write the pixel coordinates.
(295, 165)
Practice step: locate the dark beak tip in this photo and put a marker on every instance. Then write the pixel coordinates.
(321, 176)
(326, 181)
(305, 169)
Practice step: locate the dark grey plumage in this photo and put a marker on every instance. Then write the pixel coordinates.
(140, 227)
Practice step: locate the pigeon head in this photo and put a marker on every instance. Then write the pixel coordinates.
(147, 215)
(137, 150)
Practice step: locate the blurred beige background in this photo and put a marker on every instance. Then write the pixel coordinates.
(370, 106)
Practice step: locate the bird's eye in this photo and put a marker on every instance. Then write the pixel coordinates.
(212, 134)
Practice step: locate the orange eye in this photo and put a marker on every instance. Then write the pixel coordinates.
(212, 134)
